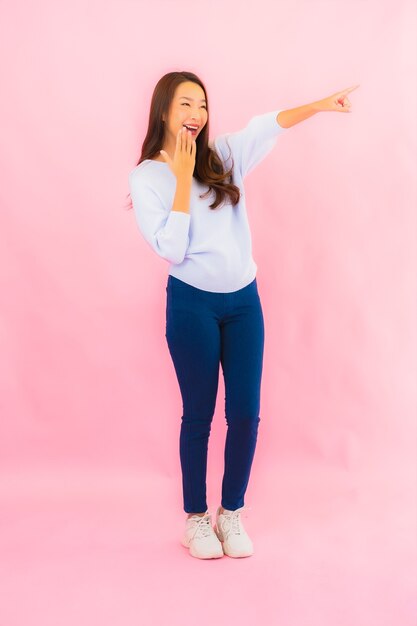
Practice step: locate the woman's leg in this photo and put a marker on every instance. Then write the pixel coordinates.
(193, 337)
(242, 347)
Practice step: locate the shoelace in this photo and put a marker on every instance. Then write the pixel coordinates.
(203, 527)
(233, 520)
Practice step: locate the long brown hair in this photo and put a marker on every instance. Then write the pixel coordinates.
(208, 168)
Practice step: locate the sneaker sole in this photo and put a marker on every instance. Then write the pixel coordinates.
(197, 556)
(229, 552)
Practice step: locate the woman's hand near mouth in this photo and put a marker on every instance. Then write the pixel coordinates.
(182, 166)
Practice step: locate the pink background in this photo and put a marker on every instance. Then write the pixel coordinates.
(90, 487)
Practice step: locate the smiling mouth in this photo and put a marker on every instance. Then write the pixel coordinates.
(193, 130)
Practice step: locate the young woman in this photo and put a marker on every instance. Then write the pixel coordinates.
(189, 203)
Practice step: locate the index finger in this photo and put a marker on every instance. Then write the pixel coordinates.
(351, 89)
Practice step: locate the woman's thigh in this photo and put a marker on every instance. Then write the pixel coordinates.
(193, 338)
(242, 349)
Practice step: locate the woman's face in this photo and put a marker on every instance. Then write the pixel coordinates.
(188, 107)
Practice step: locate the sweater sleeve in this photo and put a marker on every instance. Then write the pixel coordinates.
(250, 145)
(165, 231)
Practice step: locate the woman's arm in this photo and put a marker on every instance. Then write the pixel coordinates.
(293, 116)
(336, 102)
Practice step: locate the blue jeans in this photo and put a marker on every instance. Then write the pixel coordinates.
(203, 329)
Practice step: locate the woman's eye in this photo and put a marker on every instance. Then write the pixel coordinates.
(188, 104)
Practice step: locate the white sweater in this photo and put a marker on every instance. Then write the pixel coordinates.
(210, 249)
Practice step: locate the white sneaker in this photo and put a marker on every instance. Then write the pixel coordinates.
(200, 537)
(229, 529)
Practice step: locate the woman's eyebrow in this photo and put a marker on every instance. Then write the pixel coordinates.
(187, 98)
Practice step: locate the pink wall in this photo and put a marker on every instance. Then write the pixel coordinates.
(86, 378)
